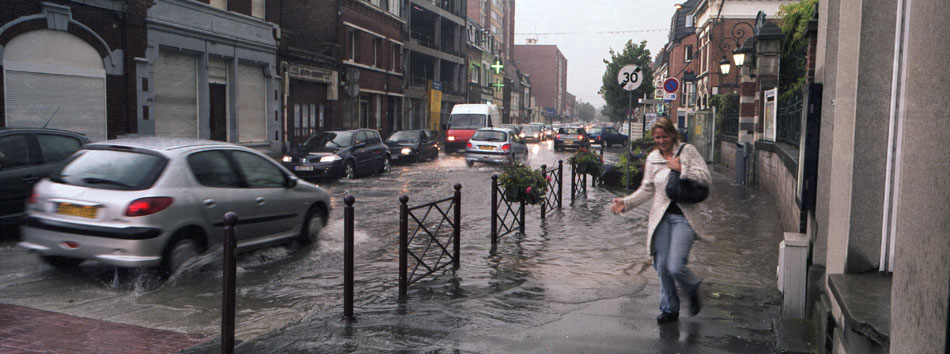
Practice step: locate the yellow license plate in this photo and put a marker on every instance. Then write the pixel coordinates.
(86, 211)
(568, 141)
(487, 147)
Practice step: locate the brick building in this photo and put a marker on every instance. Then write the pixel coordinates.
(72, 64)
(680, 54)
(436, 52)
(548, 70)
(344, 66)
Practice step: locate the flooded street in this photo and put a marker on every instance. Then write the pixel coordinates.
(581, 261)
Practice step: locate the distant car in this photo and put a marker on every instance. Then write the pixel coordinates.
(26, 156)
(533, 132)
(571, 137)
(341, 153)
(495, 145)
(518, 128)
(158, 202)
(412, 145)
(606, 136)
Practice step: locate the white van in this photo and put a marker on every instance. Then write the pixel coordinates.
(465, 120)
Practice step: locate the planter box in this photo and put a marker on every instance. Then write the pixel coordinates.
(614, 178)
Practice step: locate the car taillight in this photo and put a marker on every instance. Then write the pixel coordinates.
(558, 136)
(468, 145)
(506, 147)
(580, 137)
(148, 206)
(32, 198)
(450, 138)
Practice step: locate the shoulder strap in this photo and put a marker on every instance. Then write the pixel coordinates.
(680, 150)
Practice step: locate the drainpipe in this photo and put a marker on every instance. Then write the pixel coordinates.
(894, 140)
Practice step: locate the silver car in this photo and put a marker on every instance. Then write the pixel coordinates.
(158, 202)
(495, 145)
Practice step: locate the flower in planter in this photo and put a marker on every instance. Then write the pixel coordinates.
(523, 183)
(586, 162)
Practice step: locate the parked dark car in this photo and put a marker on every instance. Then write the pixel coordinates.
(341, 153)
(571, 137)
(26, 156)
(607, 136)
(413, 145)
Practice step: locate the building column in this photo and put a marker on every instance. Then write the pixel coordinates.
(858, 162)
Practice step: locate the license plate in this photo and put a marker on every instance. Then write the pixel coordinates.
(303, 168)
(487, 147)
(86, 211)
(568, 141)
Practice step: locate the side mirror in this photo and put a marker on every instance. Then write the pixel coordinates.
(291, 181)
(359, 145)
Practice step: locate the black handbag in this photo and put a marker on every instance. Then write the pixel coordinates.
(681, 190)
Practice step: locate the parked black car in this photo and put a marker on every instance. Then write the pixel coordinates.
(335, 154)
(413, 145)
(26, 156)
(607, 136)
(571, 137)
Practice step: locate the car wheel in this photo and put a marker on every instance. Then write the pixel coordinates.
(417, 157)
(312, 225)
(469, 163)
(180, 252)
(62, 262)
(350, 170)
(386, 166)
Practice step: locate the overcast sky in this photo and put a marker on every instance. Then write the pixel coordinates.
(579, 23)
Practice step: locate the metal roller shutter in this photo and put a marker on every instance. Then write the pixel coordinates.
(32, 98)
(176, 96)
(252, 118)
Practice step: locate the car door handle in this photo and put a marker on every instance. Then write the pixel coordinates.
(30, 179)
(260, 201)
(210, 203)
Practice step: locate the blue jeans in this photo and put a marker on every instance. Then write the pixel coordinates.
(672, 240)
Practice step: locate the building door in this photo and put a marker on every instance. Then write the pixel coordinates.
(364, 112)
(218, 120)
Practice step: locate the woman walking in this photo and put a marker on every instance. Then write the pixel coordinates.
(670, 232)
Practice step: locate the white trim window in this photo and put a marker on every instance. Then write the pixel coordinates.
(259, 8)
(221, 4)
(352, 45)
(688, 53)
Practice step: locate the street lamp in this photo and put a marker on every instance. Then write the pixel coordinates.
(724, 65)
(678, 6)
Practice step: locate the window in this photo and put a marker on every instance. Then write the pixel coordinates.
(360, 137)
(211, 169)
(373, 137)
(353, 37)
(394, 64)
(476, 70)
(377, 45)
(12, 151)
(689, 20)
(221, 4)
(259, 172)
(57, 148)
(688, 53)
(690, 94)
(258, 8)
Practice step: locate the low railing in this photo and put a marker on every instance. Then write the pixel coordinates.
(578, 183)
(501, 225)
(428, 262)
(553, 178)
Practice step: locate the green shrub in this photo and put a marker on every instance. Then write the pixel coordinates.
(586, 162)
(523, 183)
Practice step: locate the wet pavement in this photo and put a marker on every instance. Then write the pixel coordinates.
(579, 281)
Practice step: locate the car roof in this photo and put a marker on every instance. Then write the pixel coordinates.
(41, 130)
(163, 143)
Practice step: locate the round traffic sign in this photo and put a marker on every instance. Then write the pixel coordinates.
(671, 85)
(629, 77)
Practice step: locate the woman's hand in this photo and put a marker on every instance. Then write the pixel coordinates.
(674, 164)
(617, 207)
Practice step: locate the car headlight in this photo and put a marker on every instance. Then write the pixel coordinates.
(405, 151)
(451, 138)
(287, 159)
(330, 158)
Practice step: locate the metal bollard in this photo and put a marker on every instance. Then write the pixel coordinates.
(573, 186)
(560, 182)
(348, 258)
(522, 217)
(457, 233)
(494, 209)
(403, 247)
(544, 204)
(230, 269)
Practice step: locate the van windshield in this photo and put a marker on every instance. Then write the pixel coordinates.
(467, 121)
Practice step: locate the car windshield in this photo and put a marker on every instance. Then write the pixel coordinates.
(490, 135)
(111, 169)
(595, 131)
(532, 128)
(329, 139)
(404, 136)
(571, 131)
(467, 121)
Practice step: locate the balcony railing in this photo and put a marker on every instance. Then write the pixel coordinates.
(423, 39)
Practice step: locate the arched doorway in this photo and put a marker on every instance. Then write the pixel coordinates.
(55, 77)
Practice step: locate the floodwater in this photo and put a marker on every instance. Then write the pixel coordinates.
(290, 299)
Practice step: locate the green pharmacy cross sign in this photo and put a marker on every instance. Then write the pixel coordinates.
(497, 66)
(498, 85)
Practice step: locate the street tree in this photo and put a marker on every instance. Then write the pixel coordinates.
(613, 93)
(586, 111)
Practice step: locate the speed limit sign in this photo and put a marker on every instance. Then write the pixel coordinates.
(630, 77)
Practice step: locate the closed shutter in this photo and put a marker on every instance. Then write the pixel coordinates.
(32, 98)
(176, 96)
(252, 120)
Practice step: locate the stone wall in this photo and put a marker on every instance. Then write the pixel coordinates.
(772, 174)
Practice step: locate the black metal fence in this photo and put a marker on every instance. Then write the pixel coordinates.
(788, 122)
(578, 183)
(502, 225)
(554, 178)
(432, 238)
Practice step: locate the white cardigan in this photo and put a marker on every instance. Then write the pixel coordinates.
(655, 175)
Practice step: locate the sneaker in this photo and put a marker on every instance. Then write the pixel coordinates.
(667, 317)
(695, 305)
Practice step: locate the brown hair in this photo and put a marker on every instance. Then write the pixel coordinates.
(667, 126)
